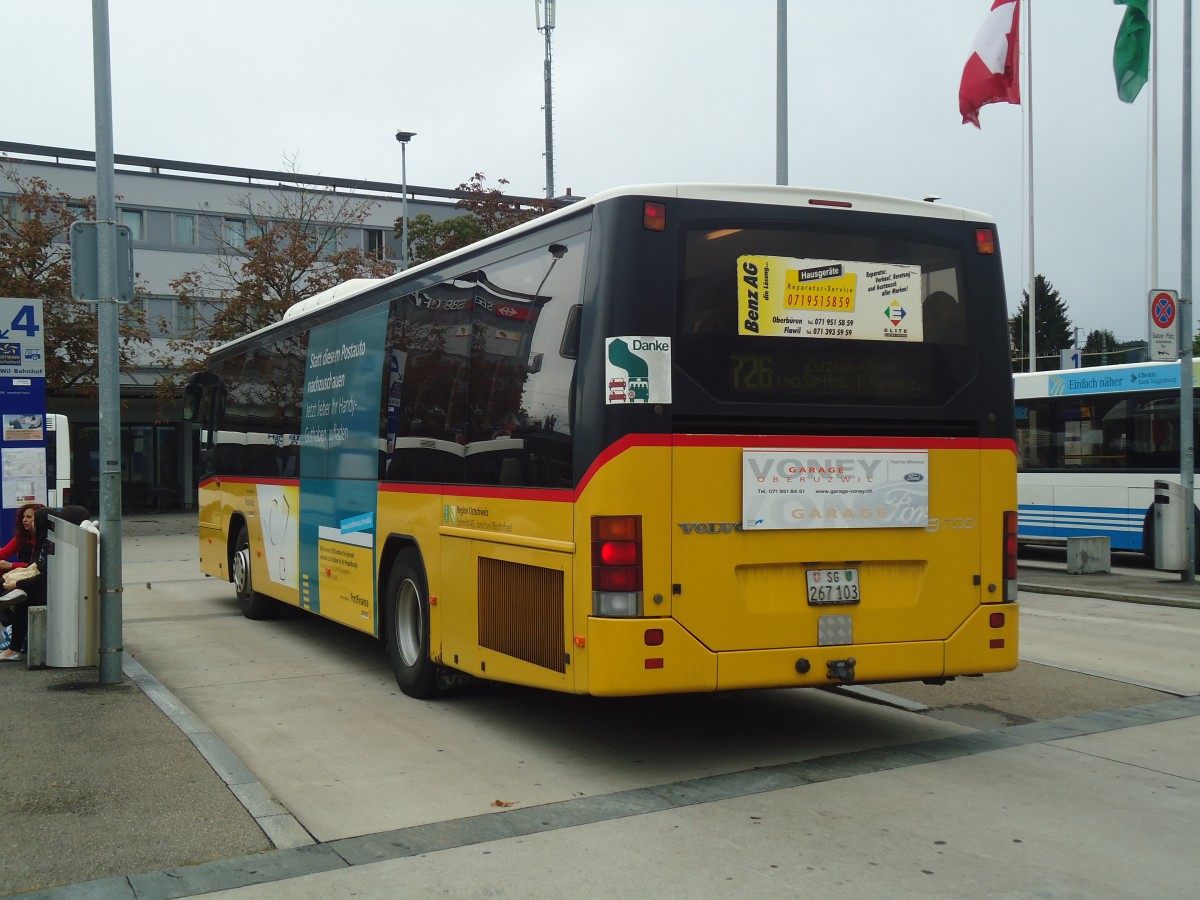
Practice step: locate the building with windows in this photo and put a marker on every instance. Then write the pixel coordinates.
(183, 217)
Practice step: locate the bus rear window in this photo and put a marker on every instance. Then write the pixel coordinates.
(823, 315)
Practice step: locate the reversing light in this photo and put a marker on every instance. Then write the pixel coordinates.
(654, 216)
(617, 566)
(985, 241)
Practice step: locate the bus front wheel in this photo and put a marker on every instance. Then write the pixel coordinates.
(253, 604)
(408, 627)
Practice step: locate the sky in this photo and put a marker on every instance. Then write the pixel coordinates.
(644, 91)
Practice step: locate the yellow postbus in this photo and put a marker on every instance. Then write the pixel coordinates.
(670, 438)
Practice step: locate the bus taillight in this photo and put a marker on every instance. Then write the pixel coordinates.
(654, 216)
(1010, 556)
(617, 565)
(985, 241)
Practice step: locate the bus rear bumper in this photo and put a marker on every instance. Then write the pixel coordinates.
(624, 663)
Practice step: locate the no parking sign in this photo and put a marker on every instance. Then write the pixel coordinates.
(1164, 324)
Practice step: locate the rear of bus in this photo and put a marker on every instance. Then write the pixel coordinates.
(799, 467)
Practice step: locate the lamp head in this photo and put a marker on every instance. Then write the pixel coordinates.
(405, 136)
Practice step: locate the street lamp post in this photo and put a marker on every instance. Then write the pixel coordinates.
(404, 137)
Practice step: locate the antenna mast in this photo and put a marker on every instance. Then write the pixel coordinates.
(544, 10)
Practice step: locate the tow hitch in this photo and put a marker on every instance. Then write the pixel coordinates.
(841, 670)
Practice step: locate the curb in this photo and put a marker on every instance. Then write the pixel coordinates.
(280, 826)
(1119, 596)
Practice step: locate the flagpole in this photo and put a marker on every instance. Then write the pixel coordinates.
(1153, 146)
(781, 95)
(1032, 309)
(1187, 446)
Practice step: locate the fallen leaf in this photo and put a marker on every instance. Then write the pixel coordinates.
(502, 803)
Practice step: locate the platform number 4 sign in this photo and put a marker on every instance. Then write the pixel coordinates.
(22, 338)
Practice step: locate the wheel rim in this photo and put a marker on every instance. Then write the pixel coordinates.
(241, 570)
(410, 623)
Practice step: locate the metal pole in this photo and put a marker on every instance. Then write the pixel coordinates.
(108, 351)
(546, 30)
(781, 94)
(404, 204)
(1187, 445)
(404, 137)
(1032, 311)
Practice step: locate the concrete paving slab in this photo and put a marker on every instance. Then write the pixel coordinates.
(1035, 827)
(1097, 636)
(1167, 747)
(312, 709)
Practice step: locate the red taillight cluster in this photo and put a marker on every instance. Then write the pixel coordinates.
(616, 553)
(654, 216)
(985, 241)
(1010, 556)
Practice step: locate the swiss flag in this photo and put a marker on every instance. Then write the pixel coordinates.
(990, 75)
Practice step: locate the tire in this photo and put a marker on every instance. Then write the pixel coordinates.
(407, 627)
(253, 604)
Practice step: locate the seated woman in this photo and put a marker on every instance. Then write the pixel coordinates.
(21, 545)
(15, 555)
(32, 591)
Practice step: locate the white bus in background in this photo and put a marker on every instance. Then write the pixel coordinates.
(1090, 444)
(58, 460)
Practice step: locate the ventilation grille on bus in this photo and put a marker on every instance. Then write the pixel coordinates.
(521, 612)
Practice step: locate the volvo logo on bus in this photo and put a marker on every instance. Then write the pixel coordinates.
(709, 527)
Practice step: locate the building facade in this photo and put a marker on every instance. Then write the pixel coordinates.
(183, 216)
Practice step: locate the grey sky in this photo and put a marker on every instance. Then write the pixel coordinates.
(645, 91)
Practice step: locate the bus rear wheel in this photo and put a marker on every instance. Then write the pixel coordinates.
(253, 604)
(407, 624)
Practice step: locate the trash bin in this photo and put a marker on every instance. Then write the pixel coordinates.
(1170, 527)
(72, 595)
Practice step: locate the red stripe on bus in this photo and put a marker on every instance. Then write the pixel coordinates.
(751, 442)
(633, 441)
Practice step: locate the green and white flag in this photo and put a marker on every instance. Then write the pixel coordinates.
(1131, 54)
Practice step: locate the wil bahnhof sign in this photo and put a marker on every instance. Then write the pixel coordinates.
(22, 407)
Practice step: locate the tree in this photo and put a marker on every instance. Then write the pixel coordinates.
(1101, 349)
(290, 250)
(488, 212)
(1052, 327)
(35, 261)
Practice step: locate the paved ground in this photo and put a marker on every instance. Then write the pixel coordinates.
(105, 782)
(98, 781)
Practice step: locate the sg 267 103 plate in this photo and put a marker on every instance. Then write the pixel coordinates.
(829, 587)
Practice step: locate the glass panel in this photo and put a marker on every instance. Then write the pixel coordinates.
(132, 219)
(235, 233)
(185, 230)
(519, 411)
(824, 316)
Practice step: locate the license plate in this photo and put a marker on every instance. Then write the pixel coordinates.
(827, 587)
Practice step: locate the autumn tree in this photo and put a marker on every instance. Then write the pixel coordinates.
(35, 262)
(1052, 327)
(488, 211)
(292, 248)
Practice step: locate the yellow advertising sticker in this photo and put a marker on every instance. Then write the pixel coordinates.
(825, 298)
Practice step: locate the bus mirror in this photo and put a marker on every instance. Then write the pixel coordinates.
(193, 397)
(194, 393)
